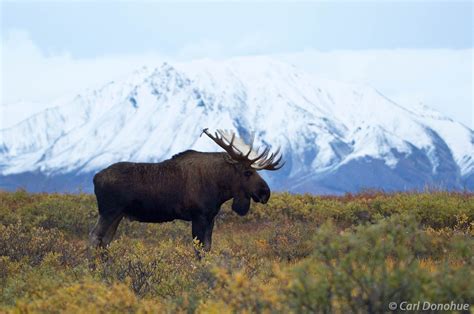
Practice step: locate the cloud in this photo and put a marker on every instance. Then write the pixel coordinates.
(29, 74)
(248, 44)
(201, 49)
(439, 78)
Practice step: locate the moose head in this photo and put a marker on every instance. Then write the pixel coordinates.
(246, 161)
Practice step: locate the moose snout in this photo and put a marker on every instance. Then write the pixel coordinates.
(264, 194)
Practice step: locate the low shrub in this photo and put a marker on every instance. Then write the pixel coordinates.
(296, 254)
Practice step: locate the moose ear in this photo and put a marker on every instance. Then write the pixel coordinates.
(229, 159)
(241, 205)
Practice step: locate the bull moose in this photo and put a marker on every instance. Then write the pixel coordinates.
(190, 186)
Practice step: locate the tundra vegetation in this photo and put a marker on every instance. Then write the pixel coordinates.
(296, 254)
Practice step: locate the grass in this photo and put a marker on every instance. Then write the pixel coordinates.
(299, 253)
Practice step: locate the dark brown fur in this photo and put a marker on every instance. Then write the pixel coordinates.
(191, 186)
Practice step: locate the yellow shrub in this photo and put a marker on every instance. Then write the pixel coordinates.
(89, 297)
(296, 254)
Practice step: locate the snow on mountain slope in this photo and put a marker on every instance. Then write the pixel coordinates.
(12, 113)
(458, 137)
(325, 128)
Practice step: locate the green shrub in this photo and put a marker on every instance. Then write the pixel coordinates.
(296, 254)
(365, 270)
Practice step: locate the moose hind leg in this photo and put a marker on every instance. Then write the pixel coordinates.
(109, 234)
(100, 230)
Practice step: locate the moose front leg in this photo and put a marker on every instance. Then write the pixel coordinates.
(202, 230)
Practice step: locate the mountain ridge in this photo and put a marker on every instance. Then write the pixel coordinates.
(329, 131)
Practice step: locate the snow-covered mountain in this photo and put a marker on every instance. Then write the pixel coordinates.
(335, 137)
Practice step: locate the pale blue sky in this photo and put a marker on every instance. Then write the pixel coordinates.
(96, 28)
(412, 51)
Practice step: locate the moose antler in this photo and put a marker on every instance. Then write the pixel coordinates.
(240, 151)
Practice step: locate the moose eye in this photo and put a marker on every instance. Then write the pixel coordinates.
(248, 173)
